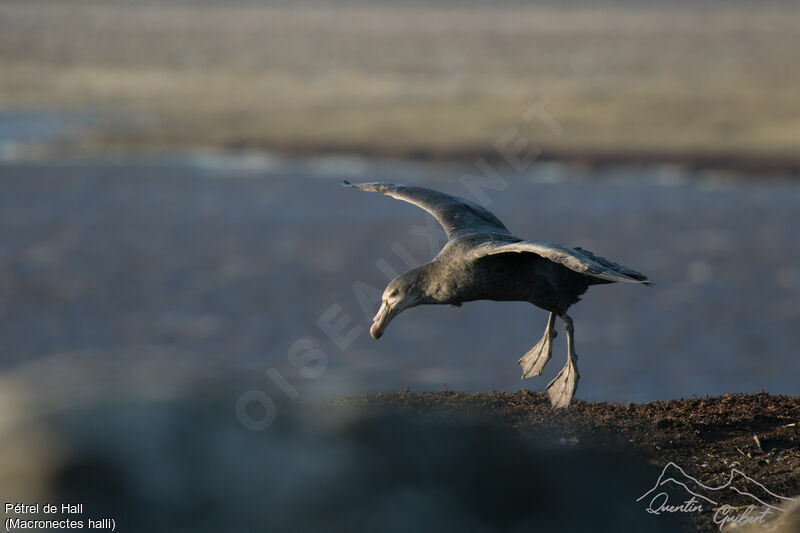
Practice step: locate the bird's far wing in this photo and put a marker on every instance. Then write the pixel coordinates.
(456, 215)
(576, 259)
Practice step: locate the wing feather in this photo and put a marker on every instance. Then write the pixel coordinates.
(457, 215)
(576, 259)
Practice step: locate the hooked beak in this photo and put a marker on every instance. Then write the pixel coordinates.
(381, 320)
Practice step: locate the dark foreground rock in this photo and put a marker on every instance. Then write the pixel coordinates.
(736, 450)
(441, 461)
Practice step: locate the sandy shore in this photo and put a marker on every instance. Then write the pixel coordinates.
(614, 83)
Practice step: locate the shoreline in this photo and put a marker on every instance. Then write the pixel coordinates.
(730, 161)
(735, 164)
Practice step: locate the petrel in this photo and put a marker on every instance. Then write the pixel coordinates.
(482, 260)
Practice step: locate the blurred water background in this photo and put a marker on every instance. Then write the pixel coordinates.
(219, 264)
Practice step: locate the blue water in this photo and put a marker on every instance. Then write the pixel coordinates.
(22, 127)
(207, 265)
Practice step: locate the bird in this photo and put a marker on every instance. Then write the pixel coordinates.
(483, 260)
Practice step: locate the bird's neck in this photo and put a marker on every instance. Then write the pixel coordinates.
(420, 282)
(434, 283)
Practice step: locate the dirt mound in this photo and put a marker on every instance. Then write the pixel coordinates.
(734, 450)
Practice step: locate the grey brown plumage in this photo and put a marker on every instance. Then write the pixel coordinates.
(482, 260)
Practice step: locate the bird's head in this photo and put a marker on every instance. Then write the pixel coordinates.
(402, 293)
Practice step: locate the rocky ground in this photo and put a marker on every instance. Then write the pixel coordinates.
(708, 438)
(442, 461)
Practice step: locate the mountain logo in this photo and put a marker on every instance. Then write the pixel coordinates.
(699, 497)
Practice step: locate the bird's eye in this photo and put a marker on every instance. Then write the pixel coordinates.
(393, 293)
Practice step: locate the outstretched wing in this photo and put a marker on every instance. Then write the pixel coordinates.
(456, 215)
(576, 259)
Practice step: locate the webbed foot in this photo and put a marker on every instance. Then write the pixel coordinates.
(562, 388)
(534, 361)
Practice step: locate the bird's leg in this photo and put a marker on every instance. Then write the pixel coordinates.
(562, 388)
(533, 362)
